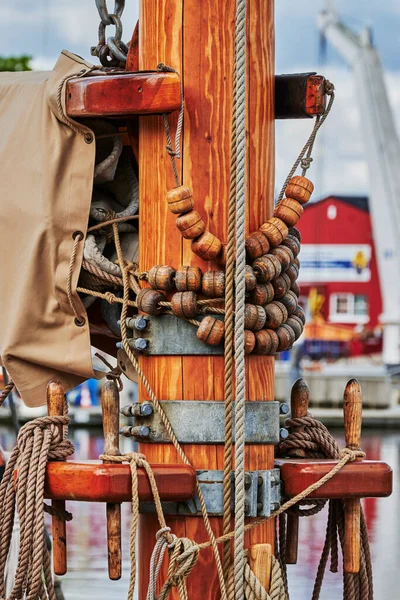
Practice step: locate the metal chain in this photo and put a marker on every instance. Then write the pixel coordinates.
(113, 51)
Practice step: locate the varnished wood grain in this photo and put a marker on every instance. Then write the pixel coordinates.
(123, 95)
(299, 407)
(110, 418)
(203, 39)
(352, 411)
(97, 482)
(260, 556)
(364, 479)
(55, 407)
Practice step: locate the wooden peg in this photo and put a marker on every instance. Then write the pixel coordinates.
(55, 408)
(188, 279)
(207, 246)
(352, 411)
(300, 188)
(184, 305)
(289, 210)
(161, 277)
(180, 200)
(275, 230)
(299, 407)
(211, 331)
(262, 294)
(260, 556)
(148, 301)
(110, 413)
(190, 225)
(257, 244)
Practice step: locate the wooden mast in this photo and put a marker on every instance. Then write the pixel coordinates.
(196, 37)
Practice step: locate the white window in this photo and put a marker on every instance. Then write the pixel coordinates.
(348, 308)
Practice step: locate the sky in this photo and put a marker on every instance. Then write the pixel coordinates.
(44, 27)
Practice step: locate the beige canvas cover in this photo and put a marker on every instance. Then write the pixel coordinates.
(46, 178)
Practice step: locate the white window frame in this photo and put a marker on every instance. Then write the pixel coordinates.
(349, 317)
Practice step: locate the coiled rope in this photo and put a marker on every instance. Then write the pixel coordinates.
(317, 442)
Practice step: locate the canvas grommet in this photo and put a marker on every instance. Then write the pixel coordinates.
(78, 233)
(79, 322)
(88, 138)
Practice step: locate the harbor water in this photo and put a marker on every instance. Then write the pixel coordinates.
(87, 547)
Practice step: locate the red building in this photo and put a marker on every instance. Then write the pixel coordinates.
(338, 260)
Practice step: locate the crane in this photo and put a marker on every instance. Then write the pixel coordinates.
(382, 150)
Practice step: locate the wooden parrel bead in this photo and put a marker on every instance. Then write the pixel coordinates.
(289, 300)
(293, 273)
(292, 243)
(254, 317)
(266, 268)
(276, 314)
(184, 305)
(257, 244)
(300, 188)
(295, 288)
(275, 230)
(262, 294)
(188, 279)
(249, 341)
(180, 200)
(190, 225)
(207, 246)
(284, 255)
(297, 262)
(161, 277)
(299, 312)
(266, 342)
(295, 232)
(297, 326)
(281, 285)
(250, 278)
(289, 210)
(148, 301)
(211, 331)
(286, 337)
(222, 255)
(213, 284)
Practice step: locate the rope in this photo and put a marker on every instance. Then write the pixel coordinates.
(6, 391)
(317, 442)
(77, 238)
(308, 146)
(136, 460)
(158, 407)
(255, 591)
(240, 291)
(37, 443)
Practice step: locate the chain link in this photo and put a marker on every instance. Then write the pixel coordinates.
(113, 52)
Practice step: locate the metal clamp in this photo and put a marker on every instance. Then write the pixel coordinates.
(201, 422)
(262, 495)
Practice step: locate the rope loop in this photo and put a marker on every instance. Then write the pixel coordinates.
(352, 454)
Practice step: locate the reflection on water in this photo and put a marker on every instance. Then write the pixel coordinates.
(87, 547)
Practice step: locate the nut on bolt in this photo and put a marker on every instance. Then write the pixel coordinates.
(140, 431)
(139, 323)
(139, 409)
(284, 408)
(283, 433)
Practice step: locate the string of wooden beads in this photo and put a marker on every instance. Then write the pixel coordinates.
(273, 318)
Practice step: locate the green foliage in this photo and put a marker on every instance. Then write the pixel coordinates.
(15, 63)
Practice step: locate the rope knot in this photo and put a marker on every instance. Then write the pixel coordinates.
(109, 297)
(306, 163)
(352, 454)
(329, 87)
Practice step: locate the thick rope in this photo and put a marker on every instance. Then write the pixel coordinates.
(136, 460)
(158, 407)
(240, 292)
(77, 239)
(6, 391)
(317, 442)
(254, 590)
(38, 442)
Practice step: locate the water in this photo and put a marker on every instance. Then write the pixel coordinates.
(87, 549)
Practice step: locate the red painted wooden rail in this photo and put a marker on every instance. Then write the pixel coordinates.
(123, 94)
(366, 479)
(98, 482)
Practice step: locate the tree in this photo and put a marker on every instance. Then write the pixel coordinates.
(15, 63)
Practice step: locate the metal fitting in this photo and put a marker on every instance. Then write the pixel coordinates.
(140, 431)
(247, 481)
(283, 433)
(139, 409)
(139, 323)
(140, 344)
(284, 408)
